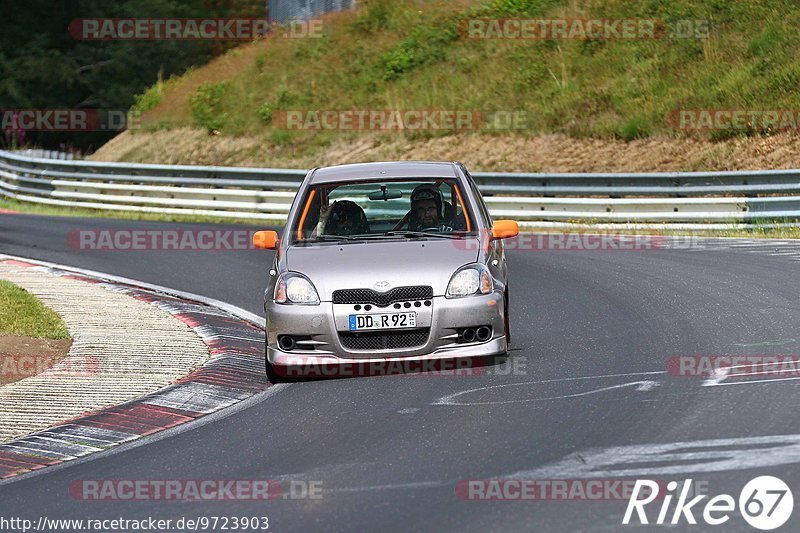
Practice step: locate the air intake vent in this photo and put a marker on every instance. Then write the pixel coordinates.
(382, 340)
(382, 299)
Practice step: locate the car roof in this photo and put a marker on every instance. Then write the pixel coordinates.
(385, 170)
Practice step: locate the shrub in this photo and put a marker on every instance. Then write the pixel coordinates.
(425, 44)
(206, 106)
(148, 99)
(522, 7)
(633, 129)
(266, 111)
(374, 17)
(261, 59)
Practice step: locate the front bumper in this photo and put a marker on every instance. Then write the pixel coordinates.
(321, 326)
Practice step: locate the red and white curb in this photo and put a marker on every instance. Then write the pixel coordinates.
(234, 372)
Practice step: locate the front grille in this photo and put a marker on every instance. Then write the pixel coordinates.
(382, 299)
(382, 340)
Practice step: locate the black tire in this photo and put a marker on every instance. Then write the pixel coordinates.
(506, 319)
(272, 376)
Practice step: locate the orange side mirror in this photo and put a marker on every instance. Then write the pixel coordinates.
(265, 240)
(504, 229)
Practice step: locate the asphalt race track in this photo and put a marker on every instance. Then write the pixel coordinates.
(592, 336)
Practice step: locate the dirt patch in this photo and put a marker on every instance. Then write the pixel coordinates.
(480, 152)
(22, 357)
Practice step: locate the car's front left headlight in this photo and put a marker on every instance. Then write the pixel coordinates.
(469, 280)
(293, 288)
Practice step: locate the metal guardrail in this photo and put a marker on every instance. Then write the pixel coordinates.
(47, 154)
(286, 10)
(701, 199)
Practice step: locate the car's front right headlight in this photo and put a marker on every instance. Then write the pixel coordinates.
(473, 279)
(294, 288)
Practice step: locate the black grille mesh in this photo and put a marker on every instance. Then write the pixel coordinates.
(382, 299)
(382, 340)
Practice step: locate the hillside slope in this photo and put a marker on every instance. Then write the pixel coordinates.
(588, 104)
(512, 153)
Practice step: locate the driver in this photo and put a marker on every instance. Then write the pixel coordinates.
(427, 210)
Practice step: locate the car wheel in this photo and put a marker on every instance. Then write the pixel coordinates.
(506, 319)
(272, 376)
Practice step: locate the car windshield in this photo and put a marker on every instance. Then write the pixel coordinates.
(383, 209)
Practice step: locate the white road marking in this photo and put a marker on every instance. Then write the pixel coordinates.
(675, 458)
(641, 385)
(775, 342)
(750, 381)
(647, 385)
(721, 374)
(717, 377)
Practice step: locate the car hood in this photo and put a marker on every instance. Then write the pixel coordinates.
(400, 263)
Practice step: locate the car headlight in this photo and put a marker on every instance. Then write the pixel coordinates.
(295, 289)
(474, 279)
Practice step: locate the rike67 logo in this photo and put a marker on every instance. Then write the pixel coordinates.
(765, 503)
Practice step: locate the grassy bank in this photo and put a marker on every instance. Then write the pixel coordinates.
(410, 54)
(22, 314)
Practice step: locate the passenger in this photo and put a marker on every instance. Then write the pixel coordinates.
(345, 218)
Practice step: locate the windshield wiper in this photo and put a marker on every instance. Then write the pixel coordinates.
(419, 234)
(377, 236)
(329, 238)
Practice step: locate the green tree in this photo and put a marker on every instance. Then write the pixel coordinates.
(42, 66)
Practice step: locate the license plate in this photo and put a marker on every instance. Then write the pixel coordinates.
(383, 321)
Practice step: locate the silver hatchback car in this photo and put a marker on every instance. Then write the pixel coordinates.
(386, 262)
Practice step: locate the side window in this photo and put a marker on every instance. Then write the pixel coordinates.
(479, 198)
(309, 216)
